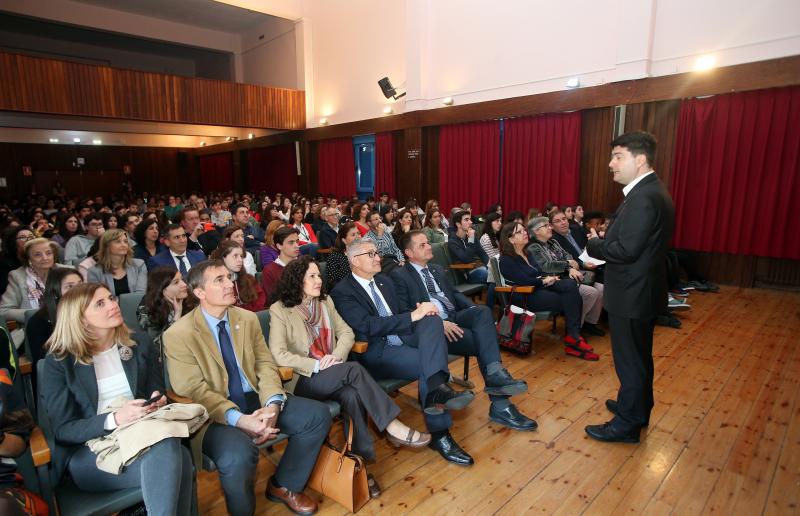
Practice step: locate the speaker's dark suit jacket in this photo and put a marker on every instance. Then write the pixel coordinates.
(68, 393)
(411, 290)
(164, 259)
(634, 248)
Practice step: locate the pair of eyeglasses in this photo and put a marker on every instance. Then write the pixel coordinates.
(25, 238)
(371, 254)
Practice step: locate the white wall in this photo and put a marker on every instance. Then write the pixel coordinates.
(269, 55)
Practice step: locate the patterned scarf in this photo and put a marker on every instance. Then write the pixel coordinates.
(35, 287)
(318, 327)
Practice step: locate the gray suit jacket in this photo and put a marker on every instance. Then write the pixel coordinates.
(136, 271)
(15, 300)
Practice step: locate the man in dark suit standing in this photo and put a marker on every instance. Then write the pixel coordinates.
(404, 345)
(469, 328)
(176, 255)
(634, 249)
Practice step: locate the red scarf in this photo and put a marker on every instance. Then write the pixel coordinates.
(318, 327)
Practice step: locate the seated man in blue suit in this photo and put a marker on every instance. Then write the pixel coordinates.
(404, 345)
(469, 328)
(176, 255)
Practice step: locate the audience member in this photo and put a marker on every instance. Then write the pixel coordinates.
(434, 227)
(253, 236)
(359, 214)
(268, 251)
(78, 246)
(469, 328)
(551, 294)
(244, 397)
(66, 228)
(165, 301)
(116, 267)
(407, 221)
(176, 254)
(337, 266)
(198, 238)
(308, 335)
(92, 362)
(464, 247)
(405, 345)
(249, 294)
(285, 239)
(387, 248)
(327, 235)
(236, 234)
(148, 244)
(12, 256)
(307, 238)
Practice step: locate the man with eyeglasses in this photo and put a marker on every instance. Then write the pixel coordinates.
(404, 345)
(330, 229)
(78, 246)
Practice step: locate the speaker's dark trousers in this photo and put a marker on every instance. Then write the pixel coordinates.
(632, 348)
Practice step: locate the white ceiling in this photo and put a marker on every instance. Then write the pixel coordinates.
(208, 14)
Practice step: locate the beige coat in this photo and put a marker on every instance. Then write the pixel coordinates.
(289, 342)
(196, 369)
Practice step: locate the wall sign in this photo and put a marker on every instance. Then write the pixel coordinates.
(413, 153)
(26, 170)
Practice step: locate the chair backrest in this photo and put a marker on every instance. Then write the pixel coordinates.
(494, 267)
(263, 319)
(128, 303)
(441, 256)
(323, 268)
(43, 420)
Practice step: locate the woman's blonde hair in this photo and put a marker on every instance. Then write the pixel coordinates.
(71, 335)
(103, 255)
(272, 227)
(36, 241)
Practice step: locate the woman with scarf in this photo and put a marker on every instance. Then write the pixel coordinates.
(308, 335)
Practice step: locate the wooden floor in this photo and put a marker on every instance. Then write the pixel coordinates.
(724, 435)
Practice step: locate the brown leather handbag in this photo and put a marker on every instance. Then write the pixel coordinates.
(341, 475)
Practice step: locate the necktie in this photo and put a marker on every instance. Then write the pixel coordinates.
(392, 340)
(431, 286)
(571, 240)
(235, 390)
(181, 266)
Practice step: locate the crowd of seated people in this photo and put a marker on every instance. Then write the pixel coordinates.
(204, 265)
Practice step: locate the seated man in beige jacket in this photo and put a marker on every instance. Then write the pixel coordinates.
(217, 356)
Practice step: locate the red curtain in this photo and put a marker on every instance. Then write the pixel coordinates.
(541, 161)
(469, 165)
(216, 172)
(384, 164)
(337, 167)
(272, 169)
(736, 173)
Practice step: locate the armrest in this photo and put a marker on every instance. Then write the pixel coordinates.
(25, 365)
(523, 289)
(286, 373)
(360, 347)
(465, 266)
(171, 396)
(326, 250)
(40, 452)
(11, 324)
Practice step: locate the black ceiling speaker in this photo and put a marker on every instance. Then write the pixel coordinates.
(388, 90)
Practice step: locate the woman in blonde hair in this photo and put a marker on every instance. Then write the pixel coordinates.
(116, 267)
(268, 251)
(97, 378)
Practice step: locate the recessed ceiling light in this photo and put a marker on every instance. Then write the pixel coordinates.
(76, 140)
(53, 140)
(250, 136)
(323, 121)
(447, 101)
(97, 142)
(704, 63)
(573, 82)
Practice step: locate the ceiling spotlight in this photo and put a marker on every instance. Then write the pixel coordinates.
(447, 101)
(573, 82)
(76, 140)
(202, 144)
(53, 140)
(388, 110)
(704, 63)
(250, 136)
(389, 91)
(97, 142)
(323, 121)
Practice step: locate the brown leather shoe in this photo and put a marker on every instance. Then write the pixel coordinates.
(298, 503)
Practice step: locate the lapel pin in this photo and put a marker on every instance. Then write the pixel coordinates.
(125, 352)
(236, 327)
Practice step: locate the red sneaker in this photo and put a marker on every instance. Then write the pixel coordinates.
(579, 344)
(585, 355)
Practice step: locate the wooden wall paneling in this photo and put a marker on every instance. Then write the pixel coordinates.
(728, 269)
(409, 178)
(33, 84)
(598, 192)
(660, 119)
(310, 177)
(430, 165)
(777, 273)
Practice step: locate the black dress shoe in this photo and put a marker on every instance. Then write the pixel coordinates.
(451, 451)
(609, 433)
(512, 418)
(445, 397)
(611, 405)
(501, 383)
(593, 329)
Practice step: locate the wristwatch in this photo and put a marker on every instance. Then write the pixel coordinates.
(279, 403)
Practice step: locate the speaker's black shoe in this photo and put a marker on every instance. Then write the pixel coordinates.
(512, 418)
(450, 450)
(501, 383)
(445, 397)
(611, 405)
(609, 433)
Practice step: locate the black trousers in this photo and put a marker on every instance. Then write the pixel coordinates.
(632, 348)
(423, 357)
(352, 386)
(480, 337)
(561, 296)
